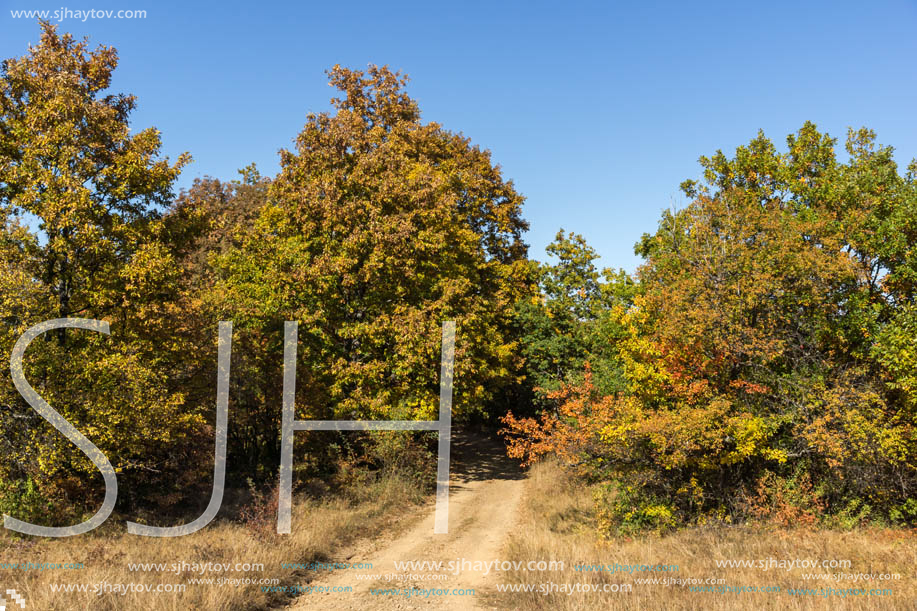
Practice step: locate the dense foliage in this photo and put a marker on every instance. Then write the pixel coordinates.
(759, 364)
(377, 229)
(768, 353)
(569, 321)
(83, 236)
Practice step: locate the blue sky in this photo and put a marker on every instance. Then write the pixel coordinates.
(596, 111)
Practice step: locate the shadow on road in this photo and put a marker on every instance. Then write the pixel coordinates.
(479, 457)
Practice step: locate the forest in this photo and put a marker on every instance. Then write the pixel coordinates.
(759, 365)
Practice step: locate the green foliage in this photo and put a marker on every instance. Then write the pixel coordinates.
(905, 513)
(852, 515)
(628, 510)
(569, 321)
(23, 498)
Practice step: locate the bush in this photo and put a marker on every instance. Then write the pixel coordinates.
(627, 510)
(24, 501)
(905, 513)
(789, 501)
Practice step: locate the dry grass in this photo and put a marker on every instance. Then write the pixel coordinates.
(556, 524)
(319, 529)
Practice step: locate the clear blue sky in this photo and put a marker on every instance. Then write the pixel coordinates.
(596, 111)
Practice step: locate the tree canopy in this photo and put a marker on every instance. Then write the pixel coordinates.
(81, 201)
(765, 353)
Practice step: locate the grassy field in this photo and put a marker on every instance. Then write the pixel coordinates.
(320, 528)
(555, 523)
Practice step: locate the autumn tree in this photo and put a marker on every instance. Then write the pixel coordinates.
(768, 352)
(377, 229)
(81, 198)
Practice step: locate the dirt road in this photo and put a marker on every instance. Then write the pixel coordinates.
(485, 491)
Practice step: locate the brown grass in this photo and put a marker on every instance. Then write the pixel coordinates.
(556, 523)
(320, 528)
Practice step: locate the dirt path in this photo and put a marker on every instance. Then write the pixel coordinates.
(484, 495)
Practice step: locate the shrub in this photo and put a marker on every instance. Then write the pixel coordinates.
(627, 510)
